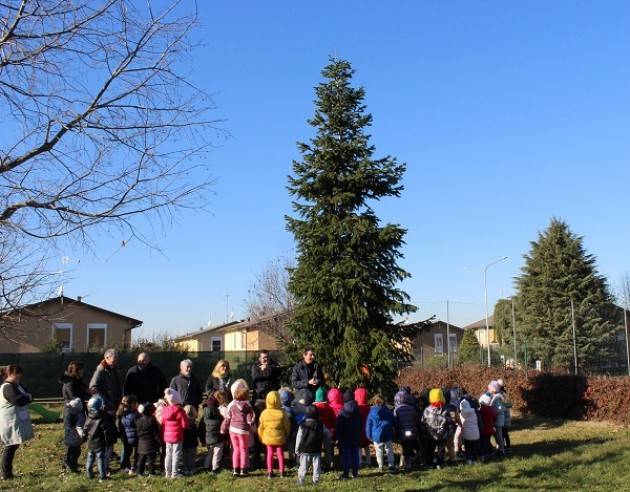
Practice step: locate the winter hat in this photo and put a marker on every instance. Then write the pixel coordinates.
(501, 383)
(75, 405)
(141, 409)
(306, 398)
(493, 387)
(485, 399)
(320, 395)
(239, 383)
(464, 405)
(286, 397)
(311, 412)
(399, 398)
(172, 396)
(95, 403)
(348, 395)
(436, 396)
(361, 396)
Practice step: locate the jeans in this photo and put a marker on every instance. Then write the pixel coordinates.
(473, 449)
(72, 457)
(99, 455)
(271, 450)
(350, 461)
(8, 453)
(306, 460)
(129, 451)
(189, 458)
(214, 457)
(173, 458)
(498, 437)
(384, 449)
(147, 460)
(240, 450)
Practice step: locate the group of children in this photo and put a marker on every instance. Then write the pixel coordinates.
(427, 426)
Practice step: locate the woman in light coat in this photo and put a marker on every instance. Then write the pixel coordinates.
(15, 421)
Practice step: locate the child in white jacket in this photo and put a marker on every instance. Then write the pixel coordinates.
(470, 431)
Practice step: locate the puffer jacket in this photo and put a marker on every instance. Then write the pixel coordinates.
(488, 416)
(239, 419)
(72, 388)
(148, 434)
(100, 430)
(438, 422)
(361, 397)
(73, 423)
(274, 427)
(335, 400)
(349, 426)
(407, 418)
(468, 418)
(326, 415)
(212, 419)
(380, 424)
(127, 427)
(174, 422)
(498, 403)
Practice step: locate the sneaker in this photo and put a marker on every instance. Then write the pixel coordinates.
(269, 476)
(282, 475)
(131, 472)
(392, 469)
(380, 469)
(234, 472)
(315, 482)
(216, 471)
(244, 472)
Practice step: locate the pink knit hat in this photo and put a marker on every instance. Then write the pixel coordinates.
(172, 396)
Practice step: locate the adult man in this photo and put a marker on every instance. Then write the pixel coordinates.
(265, 375)
(106, 381)
(187, 384)
(144, 380)
(307, 375)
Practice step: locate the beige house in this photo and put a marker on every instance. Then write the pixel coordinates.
(239, 336)
(70, 324)
(480, 331)
(437, 341)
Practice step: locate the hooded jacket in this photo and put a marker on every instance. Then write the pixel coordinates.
(498, 403)
(99, 430)
(72, 388)
(73, 423)
(380, 424)
(127, 426)
(349, 423)
(438, 421)
(274, 427)
(310, 436)
(106, 382)
(361, 397)
(212, 419)
(488, 416)
(148, 433)
(407, 418)
(174, 421)
(468, 418)
(239, 419)
(326, 415)
(335, 400)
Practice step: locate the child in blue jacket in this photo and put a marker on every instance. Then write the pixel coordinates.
(379, 429)
(127, 415)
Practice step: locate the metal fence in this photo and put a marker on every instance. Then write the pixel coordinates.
(42, 370)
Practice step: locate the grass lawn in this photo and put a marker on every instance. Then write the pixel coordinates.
(548, 455)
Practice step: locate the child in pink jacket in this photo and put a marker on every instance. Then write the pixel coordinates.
(174, 422)
(237, 424)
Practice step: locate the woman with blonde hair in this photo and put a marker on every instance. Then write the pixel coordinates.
(219, 379)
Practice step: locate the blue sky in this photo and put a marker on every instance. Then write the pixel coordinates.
(506, 114)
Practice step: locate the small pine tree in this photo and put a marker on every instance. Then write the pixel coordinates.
(558, 269)
(345, 281)
(469, 348)
(503, 321)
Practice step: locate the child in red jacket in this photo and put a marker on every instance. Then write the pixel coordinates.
(488, 417)
(174, 422)
(361, 397)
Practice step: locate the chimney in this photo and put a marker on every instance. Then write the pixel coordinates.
(79, 298)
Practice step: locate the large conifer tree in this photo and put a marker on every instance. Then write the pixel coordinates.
(347, 275)
(558, 269)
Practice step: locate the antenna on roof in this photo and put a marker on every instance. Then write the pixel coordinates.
(64, 261)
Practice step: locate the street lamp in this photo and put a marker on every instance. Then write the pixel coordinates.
(485, 300)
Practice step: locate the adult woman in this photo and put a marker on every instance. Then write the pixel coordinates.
(15, 422)
(72, 383)
(219, 380)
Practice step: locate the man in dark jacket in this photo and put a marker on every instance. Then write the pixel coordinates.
(187, 384)
(106, 381)
(348, 432)
(144, 380)
(307, 374)
(265, 375)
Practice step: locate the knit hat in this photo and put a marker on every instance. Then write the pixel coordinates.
(436, 396)
(348, 395)
(286, 397)
(320, 395)
(399, 398)
(95, 403)
(75, 405)
(501, 383)
(361, 396)
(172, 396)
(306, 398)
(485, 399)
(494, 387)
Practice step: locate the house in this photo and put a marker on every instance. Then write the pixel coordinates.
(64, 323)
(437, 340)
(238, 336)
(480, 331)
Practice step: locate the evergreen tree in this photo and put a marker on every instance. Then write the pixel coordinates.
(345, 282)
(558, 269)
(469, 348)
(503, 321)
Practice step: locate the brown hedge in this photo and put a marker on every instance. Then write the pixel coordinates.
(542, 394)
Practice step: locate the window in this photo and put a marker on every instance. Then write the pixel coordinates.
(452, 343)
(215, 344)
(62, 335)
(96, 335)
(438, 343)
(234, 341)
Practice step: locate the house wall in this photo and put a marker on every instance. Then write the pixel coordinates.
(480, 333)
(424, 343)
(32, 334)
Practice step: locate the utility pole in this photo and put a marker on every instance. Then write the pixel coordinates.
(448, 336)
(227, 308)
(514, 334)
(575, 360)
(485, 301)
(625, 326)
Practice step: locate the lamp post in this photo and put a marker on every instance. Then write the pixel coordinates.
(485, 300)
